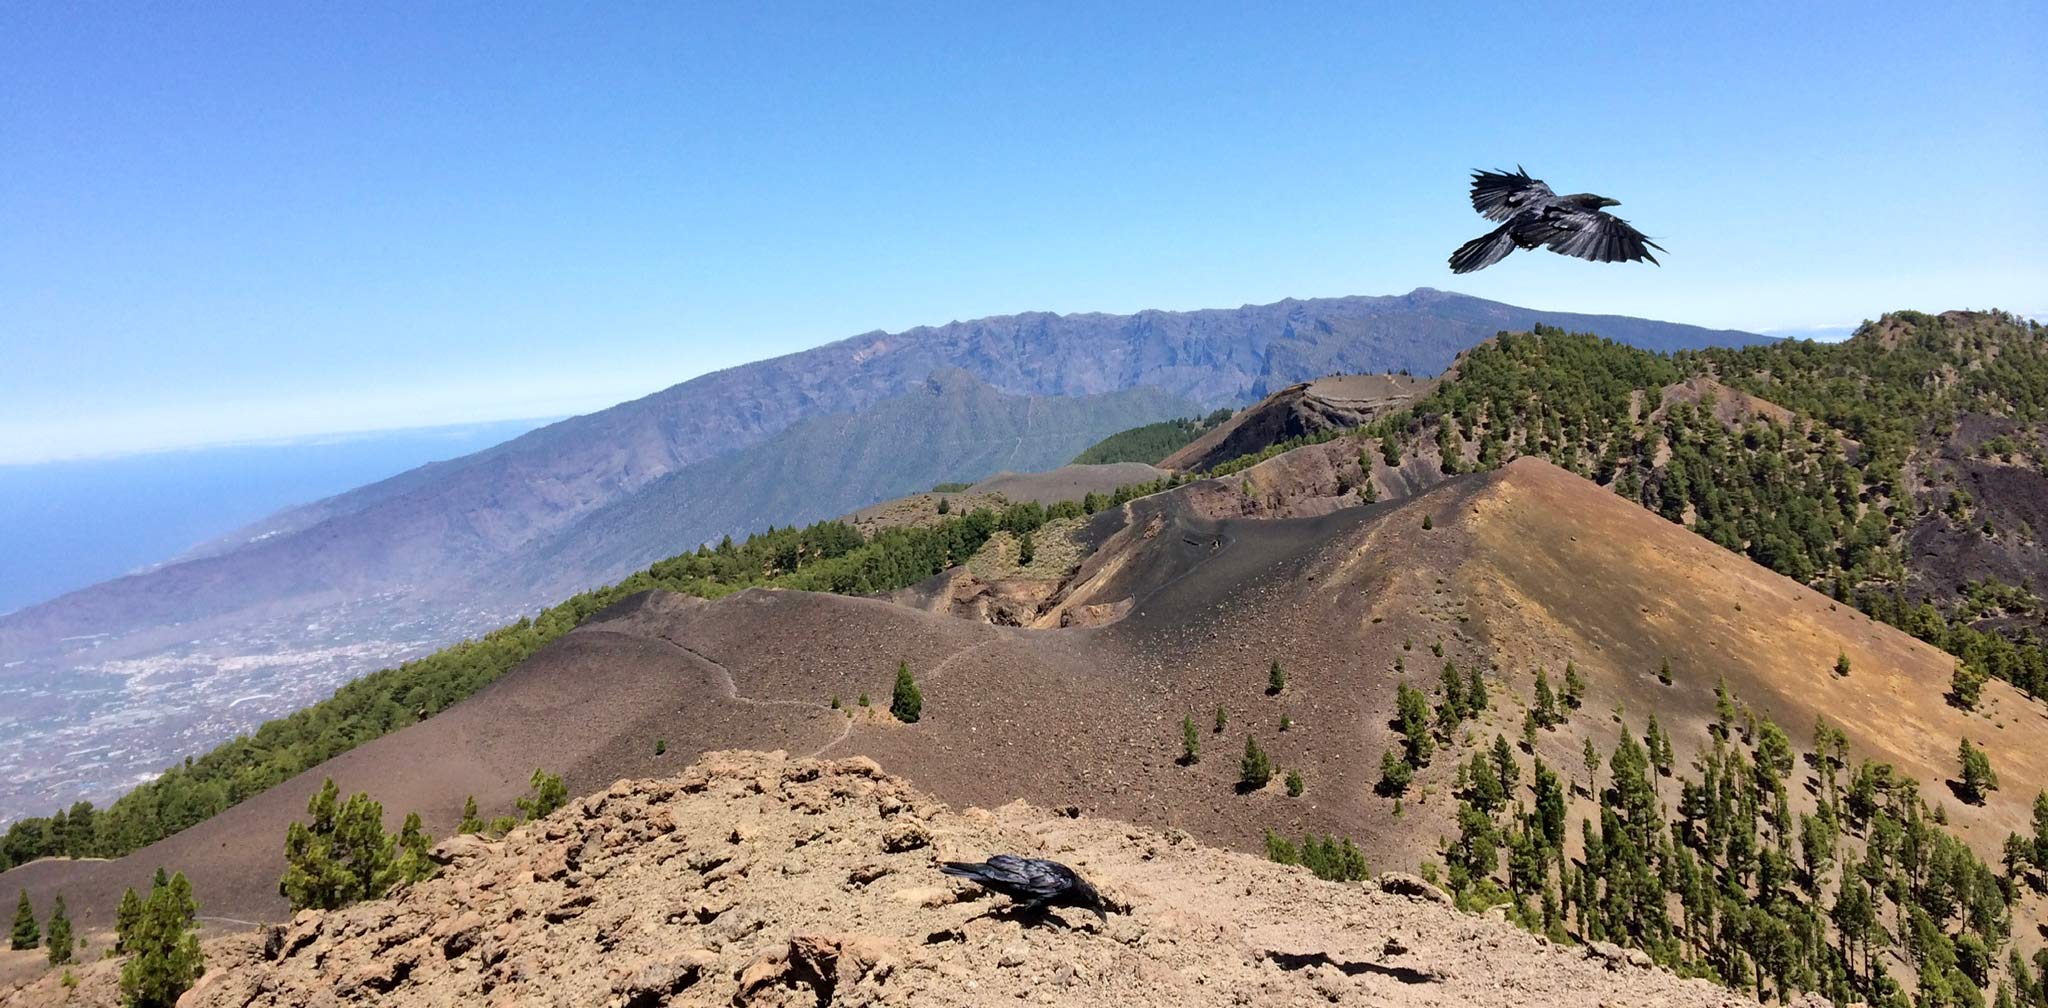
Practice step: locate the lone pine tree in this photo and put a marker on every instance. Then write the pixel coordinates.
(546, 793)
(57, 938)
(26, 934)
(125, 917)
(1977, 776)
(1255, 770)
(164, 955)
(908, 703)
(339, 856)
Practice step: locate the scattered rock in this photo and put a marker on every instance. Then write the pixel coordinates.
(640, 897)
(1411, 886)
(905, 836)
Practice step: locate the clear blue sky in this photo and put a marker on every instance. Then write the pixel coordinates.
(222, 222)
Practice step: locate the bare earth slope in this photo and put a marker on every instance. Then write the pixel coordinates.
(757, 879)
(1524, 568)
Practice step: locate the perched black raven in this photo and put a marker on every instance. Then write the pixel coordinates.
(1033, 884)
(1574, 225)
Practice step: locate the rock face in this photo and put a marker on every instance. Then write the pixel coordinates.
(757, 879)
(1332, 403)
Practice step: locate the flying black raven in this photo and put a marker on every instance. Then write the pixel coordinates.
(1033, 884)
(1574, 225)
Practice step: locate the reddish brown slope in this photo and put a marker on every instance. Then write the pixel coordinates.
(1525, 567)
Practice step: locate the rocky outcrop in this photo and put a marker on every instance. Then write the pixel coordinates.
(1334, 403)
(759, 880)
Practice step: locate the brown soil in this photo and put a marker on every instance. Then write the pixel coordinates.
(756, 879)
(1178, 613)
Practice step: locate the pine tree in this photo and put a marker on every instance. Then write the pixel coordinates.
(165, 958)
(411, 863)
(1546, 701)
(1476, 698)
(1550, 801)
(1281, 850)
(1978, 777)
(1574, 686)
(1295, 785)
(1413, 710)
(1255, 770)
(125, 919)
(1842, 664)
(1427, 524)
(1505, 769)
(547, 794)
(470, 823)
(1592, 758)
(1276, 679)
(1395, 774)
(1965, 686)
(945, 506)
(337, 858)
(2041, 834)
(1664, 672)
(57, 938)
(1027, 550)
(26, 934)
(1190, 742)
(1659, 745)
(908, 703)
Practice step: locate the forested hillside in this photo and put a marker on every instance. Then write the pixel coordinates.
(1150, 443)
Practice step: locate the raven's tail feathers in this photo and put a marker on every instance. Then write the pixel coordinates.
(1484, 250)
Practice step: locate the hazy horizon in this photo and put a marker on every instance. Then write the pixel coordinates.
(76, 522)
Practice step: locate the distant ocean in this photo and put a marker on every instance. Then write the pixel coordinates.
(66, 525)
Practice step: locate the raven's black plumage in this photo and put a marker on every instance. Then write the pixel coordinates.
(1573, 225)
(1033, 884)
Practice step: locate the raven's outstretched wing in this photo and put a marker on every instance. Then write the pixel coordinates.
(1592, 234)
(1484, 250)
(1497, 195)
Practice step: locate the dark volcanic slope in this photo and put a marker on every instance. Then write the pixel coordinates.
(1332, 403)
(1524, 567)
